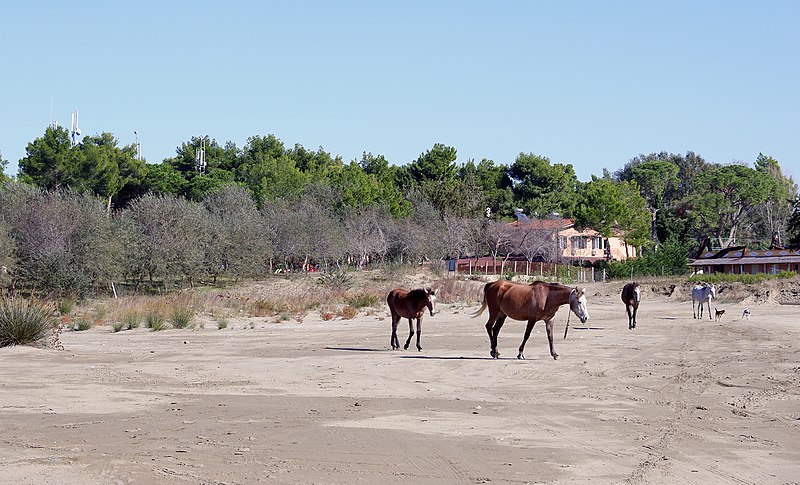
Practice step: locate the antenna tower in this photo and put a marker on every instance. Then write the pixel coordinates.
(200, 157)
(74, 131)
(138, 145)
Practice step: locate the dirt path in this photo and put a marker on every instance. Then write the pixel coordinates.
(674, 401)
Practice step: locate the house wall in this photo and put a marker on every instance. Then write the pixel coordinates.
(589, 244)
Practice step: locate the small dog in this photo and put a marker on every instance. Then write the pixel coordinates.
(746, 314)
(718, 314)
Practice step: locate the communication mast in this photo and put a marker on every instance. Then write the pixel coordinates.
(200, 157)
(74, 131)
(138, 145)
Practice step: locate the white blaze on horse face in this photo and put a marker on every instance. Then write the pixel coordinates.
(432, 304)
(637, 294)
(578, 305)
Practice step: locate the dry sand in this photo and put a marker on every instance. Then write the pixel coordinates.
(674, 401)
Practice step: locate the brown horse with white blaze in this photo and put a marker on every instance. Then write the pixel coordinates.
(631, 296)
(411, 305)
(532, 302)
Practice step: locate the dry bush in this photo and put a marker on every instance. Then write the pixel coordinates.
(459, 291)
(364, 299)
(348, 312)
(327, 315)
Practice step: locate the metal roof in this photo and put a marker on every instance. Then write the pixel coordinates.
(745, 260)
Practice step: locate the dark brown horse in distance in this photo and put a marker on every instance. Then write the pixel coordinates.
(411, 305)
(531, 302)
(631, 296)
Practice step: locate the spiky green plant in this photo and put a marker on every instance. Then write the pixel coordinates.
(65, 306)
(131, 320)
(25, 322)
(181, 317)
(82, 324)
(155, 321)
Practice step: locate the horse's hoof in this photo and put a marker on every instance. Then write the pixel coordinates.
(555, 356)
(495, 354)
(419, 349)
(520, 356)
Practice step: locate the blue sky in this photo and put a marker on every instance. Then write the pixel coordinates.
(583, 82)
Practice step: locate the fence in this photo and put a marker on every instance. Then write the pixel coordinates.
(539, 270)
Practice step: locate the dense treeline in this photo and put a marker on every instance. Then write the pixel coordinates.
(79, 217)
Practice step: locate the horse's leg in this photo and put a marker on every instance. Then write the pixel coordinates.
(549, 326)
(493, 327)
(630, 317)
(419, 333)
(410, 333)
(528, 329)
(694, 309)
(635, 309)
(395, 343)
(708, 303)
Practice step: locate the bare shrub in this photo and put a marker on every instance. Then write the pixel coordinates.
(348, 312)
(240, 244)
(65, 243)
(167, 237)
(454, 291)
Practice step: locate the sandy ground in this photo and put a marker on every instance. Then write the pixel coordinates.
(674, 401)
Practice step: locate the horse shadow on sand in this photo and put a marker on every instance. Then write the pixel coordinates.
(407, 356)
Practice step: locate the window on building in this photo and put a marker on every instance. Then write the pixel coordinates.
(579, 242)
(562, 242)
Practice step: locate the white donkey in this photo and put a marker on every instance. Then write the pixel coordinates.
(702, 293)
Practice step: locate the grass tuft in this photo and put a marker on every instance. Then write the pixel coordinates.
(155, 321)
(25, 322)
(181, 317)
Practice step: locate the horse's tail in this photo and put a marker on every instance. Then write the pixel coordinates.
(481, 309)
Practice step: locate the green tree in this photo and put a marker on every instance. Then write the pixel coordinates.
(655, 179)
(771, 217)
(268, 172)
(163, 179)
(220, 164)
(317, 163)
(495, 184)
(3, 167)
(48, 160)
(542, 188)
(614, 207)
(374, 164)
(723, 198)
(793, 226)
(436, 164)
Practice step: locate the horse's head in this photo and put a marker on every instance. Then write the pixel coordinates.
(431, 303)
(637, 293)
(712, 290)
(577, 303)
